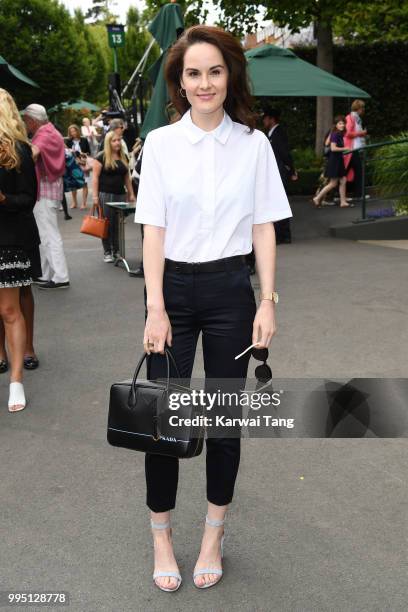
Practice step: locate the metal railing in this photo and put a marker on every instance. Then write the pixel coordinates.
(374, 187)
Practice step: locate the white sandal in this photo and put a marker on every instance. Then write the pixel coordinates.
(16, 397)
(169, 574)
(211, 570)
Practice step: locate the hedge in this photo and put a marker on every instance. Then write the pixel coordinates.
(306, 184)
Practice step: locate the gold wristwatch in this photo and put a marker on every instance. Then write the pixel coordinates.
(273, 296)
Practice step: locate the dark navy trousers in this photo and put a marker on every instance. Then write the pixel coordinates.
(220, 305)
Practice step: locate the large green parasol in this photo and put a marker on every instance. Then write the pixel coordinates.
(275, 71)
(10, 76)
(75, 105)
(165, 28)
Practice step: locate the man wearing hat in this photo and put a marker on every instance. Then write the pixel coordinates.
(49, 155)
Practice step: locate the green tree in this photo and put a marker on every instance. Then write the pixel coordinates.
(99, 44)
(97, 56)
(100, 11)
(369, 22)
(40, 38)
(194, 11)
(136, 41)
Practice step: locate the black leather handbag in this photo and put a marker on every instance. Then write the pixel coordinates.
(139, 416)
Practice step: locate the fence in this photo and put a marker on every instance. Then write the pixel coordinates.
(384, 168)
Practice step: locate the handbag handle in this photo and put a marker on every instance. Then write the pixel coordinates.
(132, 395)
(97, 207)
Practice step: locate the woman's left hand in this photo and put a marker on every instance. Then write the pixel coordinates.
(264, 324)
(131, 197)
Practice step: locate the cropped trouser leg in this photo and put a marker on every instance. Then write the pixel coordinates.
(162, 471)
(224, 338)
(222, 306)
(111, 243)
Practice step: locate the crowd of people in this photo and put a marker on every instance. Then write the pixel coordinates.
(36, 170)
(84, 145)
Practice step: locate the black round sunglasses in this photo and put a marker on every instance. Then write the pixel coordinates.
(263, 373)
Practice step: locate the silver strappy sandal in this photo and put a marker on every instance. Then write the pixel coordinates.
(169, 574)
(211, 570)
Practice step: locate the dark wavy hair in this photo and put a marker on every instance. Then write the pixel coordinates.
(239, 102)
(336, 120)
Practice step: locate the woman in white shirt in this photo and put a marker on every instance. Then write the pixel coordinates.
(209, 189)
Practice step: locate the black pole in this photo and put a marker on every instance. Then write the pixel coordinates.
(134, 114)
(363, 185)
(141, 92)
(363, 190)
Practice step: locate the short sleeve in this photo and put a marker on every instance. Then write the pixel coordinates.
(150, 201)
(100, 157)
(271, 202)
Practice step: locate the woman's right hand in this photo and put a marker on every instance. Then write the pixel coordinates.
(157, 331)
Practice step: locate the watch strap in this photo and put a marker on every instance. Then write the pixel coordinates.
(272, 296)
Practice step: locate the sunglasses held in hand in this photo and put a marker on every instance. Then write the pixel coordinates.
(263, 372)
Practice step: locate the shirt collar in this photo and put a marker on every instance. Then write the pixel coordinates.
(195, 134)
(272, 130)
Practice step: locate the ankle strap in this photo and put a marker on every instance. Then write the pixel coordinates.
(214, 522)
(159, 525)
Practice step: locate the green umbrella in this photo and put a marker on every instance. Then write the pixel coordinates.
(9, 76)
(165, 28)
(275, 71)
(75, 105)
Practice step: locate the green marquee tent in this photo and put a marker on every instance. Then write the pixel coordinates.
(165, 28)
(275, 71)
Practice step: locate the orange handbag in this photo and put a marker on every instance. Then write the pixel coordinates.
(98, 225)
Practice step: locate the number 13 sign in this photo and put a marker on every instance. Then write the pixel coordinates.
(116, 35)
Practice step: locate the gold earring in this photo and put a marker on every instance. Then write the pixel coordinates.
(181, 93)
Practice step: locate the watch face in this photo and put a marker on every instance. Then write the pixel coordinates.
(275, 297)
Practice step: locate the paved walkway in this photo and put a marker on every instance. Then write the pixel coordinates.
(391, 244)
(316, 524)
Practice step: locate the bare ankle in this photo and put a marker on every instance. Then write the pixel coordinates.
(162, 538)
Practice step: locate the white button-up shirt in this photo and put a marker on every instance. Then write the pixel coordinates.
(358, 141)
(208, 188)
